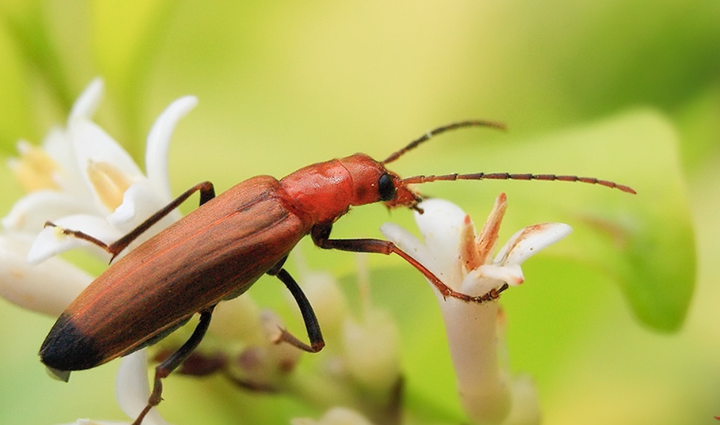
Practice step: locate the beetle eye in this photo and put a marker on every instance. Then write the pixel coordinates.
(386, 188)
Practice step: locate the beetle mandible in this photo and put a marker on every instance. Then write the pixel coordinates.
(219, 250)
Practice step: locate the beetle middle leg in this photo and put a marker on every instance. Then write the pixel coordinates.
(321, 237)
(311, 323)
(207, 192)
(176, 359)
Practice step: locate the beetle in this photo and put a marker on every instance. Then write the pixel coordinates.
(219, 250)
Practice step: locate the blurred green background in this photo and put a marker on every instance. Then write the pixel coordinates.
(281, 85)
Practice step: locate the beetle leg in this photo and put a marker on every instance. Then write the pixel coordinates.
(311, 323)
(171, 363)
(321, 237)
(207, 192)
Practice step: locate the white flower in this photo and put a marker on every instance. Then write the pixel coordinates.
(132, 388)
(80, 179)
(464, 263)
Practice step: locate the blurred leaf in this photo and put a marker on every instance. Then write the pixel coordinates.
(644, 242)
(14, 108)
(699, 128)
(27, 24)
(26, 43)
(676, 40)
(126, 38)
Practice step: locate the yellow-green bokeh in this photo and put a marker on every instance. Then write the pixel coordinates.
(282, 85)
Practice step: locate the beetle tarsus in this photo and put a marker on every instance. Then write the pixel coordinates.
(287, 337)
(493, 294)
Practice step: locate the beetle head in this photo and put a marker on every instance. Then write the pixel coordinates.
(372, 182)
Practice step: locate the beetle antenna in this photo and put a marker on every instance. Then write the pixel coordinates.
(507, 176)
(443, 129)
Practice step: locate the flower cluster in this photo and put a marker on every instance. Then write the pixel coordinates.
(82, 179)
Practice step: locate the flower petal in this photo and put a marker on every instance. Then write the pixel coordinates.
(52, 241)
(158, 143)
(408, 243)
(528, 241)
(58, 145)
(132, 388)
(510, 273)
(30, 213)
(140, 201)
(34, 169)
(88, 101)
(94, 146)
(441, 226)
(46, 288)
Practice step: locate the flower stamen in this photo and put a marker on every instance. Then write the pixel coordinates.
(35, 169)
(109, 183)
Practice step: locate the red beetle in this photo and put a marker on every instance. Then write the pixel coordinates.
(219, 250)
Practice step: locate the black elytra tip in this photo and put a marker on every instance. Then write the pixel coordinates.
(66, 348)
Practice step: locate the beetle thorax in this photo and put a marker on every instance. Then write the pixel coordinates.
(325, 191)
(322, 191)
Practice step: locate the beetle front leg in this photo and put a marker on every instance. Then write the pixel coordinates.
(311, 323)
(171, 363)
(321, 237)
(207, 192)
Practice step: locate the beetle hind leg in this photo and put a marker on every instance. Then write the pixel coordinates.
(164, 369)
(311, 323)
